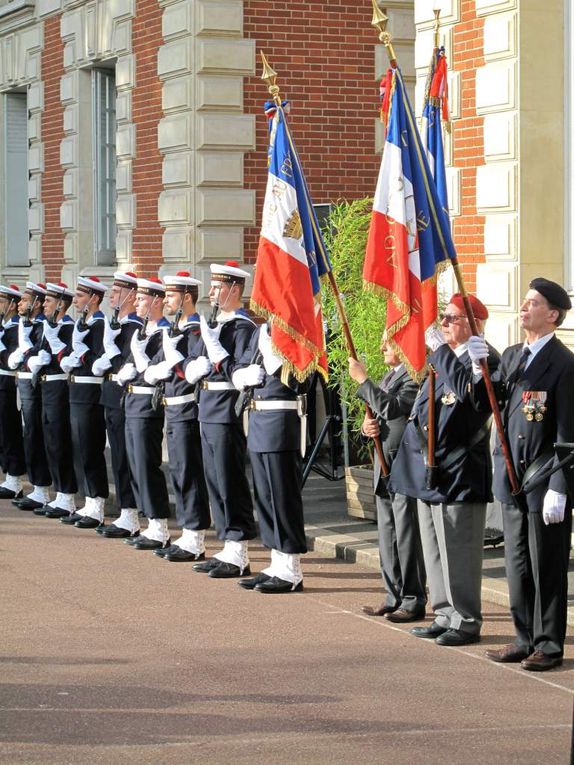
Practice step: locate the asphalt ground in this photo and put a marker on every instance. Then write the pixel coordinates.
(111, 655)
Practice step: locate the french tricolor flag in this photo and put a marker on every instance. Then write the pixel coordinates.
(291, 257)
(409, 238)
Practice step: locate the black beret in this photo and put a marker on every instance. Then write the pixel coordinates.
(554, 293)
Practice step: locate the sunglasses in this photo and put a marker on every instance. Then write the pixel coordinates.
(450, 318)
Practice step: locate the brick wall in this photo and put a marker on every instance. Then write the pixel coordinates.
(468, 154)
(147, 112)
(52, 134)
(324, 57)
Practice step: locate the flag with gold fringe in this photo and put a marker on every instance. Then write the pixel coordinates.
(291, 257)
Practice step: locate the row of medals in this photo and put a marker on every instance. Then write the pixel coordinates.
(534, 404)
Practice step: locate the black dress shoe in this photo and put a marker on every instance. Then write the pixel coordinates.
(275, 585)
(228, 571)
(457, 637)
(433, 631)
(9, 494)
(116, 532)
(380, 611)
(40, 510)
(87, 523)
(251, 584)
(144, 543)
(175, 554)
(71, 518)
(56, 512)
(27, 504)
(207, 565)
(402, 615)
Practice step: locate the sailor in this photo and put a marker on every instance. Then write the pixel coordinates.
(30, 329)
(223, 441)
(182, 427)
(144, 418)
(86, 412)
(276, 442)
(118, 332)
(53, 382)
(13, 461)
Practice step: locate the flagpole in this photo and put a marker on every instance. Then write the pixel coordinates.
(270, 77)
(380, 21)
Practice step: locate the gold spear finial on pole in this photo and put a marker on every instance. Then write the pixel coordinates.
(436, 11)
(380, 21)
(270, 77)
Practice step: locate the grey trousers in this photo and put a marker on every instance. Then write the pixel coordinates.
(452, 539)
(400, 552)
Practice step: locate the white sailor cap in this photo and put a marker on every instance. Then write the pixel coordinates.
(59, 290)
(227, 272)
(38, 290)
(126, 279)
(151, 286)
(90, 284)
(12, 290)
(181, 282)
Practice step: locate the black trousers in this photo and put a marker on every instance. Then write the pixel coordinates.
(12, 456)
(34, 449)
(536, 558)
(58, 440)
(116, 430)
(89, 442)
(143, 445)
(188, 479)
(277, 490)
(223, 448)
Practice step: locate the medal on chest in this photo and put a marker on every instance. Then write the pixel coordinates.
(534, 404)
(448, 398)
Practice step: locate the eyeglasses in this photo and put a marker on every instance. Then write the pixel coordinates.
(450, 318)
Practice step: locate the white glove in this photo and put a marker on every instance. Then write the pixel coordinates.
(70, 362)
(157, 372)
(24, 342)
(172, 355)
(35, 363)
(215, 350)
(554, 506)
(110, 348)
(15, 358)
(126, 373)
(477, 350)
(78, 346)
(51, 335)
(434, 338)
(271, 361)
(248, 377)
(197, 368)
(137, 346)
(101, 366)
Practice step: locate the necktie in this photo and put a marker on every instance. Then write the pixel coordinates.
(387, 380)
(526, 352)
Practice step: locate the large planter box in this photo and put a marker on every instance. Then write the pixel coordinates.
(360, 493)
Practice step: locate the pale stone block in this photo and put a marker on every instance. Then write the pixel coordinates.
(36, 158)
(175, 132)
(221, 18)
(71, 255)
(496, 284)
(219, 168)
(217, 244)
(174, 58)
(34, 188)
(69, 88)
(232, 131)
(32, 38)
(225, 206)
(36, 97)
(402, 23)
(176, 20)
(123, 106)
(484, 7)
(379, 135)
(90, 37)
(500, 35)
(121, 42)
(34, 127)
(219, 92)
(124, 246)
(453, 190)
(71, 118)
(449, 11)
(122, 9)
(69, 54)
(70, 183)
(70, 24)
(225, 55)
(502, 330)
(33, 66)
(177, 94)
(177, 245)
(496, 186)
(68, 215)
(126, 141)
(125, 211)
(177, 169)
(125, 72)
(500, 237)
(174, 206)
(424, 46)
(495, 86)
(35, 249)
(124, 176)
(500, 136)
(454, 94)
(47, 7)
(68, 153)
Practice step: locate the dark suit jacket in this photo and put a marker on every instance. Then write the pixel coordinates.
(392, 408)
(551, 371)
(459, 418)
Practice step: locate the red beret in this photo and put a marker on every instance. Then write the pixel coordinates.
(479, 310)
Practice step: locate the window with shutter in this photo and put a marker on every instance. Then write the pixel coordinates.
(16, 179)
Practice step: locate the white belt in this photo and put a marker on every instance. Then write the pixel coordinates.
(140, 390)
(217, 386)
(86, 380)
(112, 378)
(7, 373)
(271, 405)
(175, 400)
(24, 375)
(50, 378)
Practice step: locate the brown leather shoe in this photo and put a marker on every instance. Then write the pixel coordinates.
(508, 654)
(401, 615)
(540, 662)
(380, 611)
